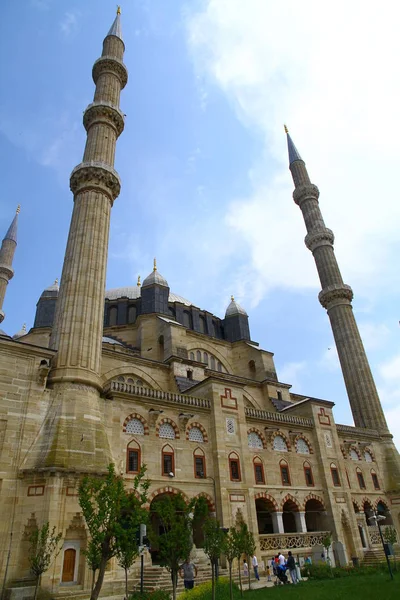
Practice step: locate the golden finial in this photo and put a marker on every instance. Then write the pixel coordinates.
(118, 10)
(138, 281)
(232, 298)
(155, 265)
(286, 129)
(18, 209)
(56, 281)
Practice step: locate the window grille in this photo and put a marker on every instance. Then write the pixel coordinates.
(166, 431)
(254, 440)
(196, 435)
(280, 444)
(135, 426)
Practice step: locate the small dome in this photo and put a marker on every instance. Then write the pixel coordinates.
(235, 309)
(20, 333)
(155, 277)
(51, 290)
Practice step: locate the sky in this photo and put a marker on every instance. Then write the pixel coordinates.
(203, 161)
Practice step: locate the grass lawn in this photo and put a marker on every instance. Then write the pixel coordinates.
(370, 587)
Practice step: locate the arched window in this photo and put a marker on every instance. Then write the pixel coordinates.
(120, 378)
(280, 444)
(335, 475)
(302, 446)
(375, 480)
(219, 367)
(191, 355)
(308, 474)
(112, 316)
(187, 319)
(367, 456)
(135, 426)
(199, 464)
(259, 475)
(167, 460)
(205, 357)
(198, 356)
(353, 454)
(254, 440)
(171, 311)
(196, 435)
(131, 314)
(212, 363)
(285, 473)
(133, 457)
(166, 431)
(234, 467)
(202, 324)
(360, 478)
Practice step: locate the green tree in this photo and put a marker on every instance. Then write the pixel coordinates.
(248, 547)
(230, 549)
(213, 543)
(93, 558)
(176, 541)
(42, 550)
(108, 509)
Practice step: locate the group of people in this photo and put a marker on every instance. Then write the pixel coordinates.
(277, 566)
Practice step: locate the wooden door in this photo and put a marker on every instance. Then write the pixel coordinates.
(69, 565)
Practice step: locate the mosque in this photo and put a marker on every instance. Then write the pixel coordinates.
(140, 375)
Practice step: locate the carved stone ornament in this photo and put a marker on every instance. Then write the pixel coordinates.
(184, 418)
(335, 292)
(319, 237)
(305, 192)
(153, 416)
(110, 64)
(95, 175)
(104, 112)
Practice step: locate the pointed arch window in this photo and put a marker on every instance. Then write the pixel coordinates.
(280, 444)
(353, 454)
(234, 467)
(285, 473)
(335, 475)
(367, 456)
(199, 461)
(375, 480)
(302, 446)
(167, 460)
(133, 457)
(360, 478)
(254, 440)
(308, 474)
(259, 475)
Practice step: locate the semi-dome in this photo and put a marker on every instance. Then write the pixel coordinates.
(235, 309)
(20, 333)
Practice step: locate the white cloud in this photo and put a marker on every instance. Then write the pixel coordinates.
(305, 64)
(291, 372)
(69, 23)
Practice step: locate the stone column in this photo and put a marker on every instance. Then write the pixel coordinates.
(300, 518)
(277, 522)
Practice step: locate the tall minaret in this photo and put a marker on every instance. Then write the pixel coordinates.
(7, 251)
(336, 297)
(78, 326)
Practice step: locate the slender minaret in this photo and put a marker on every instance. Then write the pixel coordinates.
(78, 326)
(336, 297)
(7, 251)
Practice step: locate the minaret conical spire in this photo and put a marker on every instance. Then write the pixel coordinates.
(294, 154)
(115, 28)
(336, 297)
(78, 324)
(7, 252)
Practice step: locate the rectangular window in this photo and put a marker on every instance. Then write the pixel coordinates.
(335, 476)
(309, 476)
(361, 481)
(133, 465)
(234, 468)
(259, 473)
(199, 467)
(167, 463)
(285, 475)
(375, 481)
(36, 490)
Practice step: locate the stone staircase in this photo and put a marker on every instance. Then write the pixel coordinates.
(373, 557)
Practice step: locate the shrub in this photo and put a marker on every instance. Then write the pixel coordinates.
(324, 571)
(203, 591)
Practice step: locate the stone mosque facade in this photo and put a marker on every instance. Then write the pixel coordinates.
(139, 375)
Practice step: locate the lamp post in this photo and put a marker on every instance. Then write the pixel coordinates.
(377, 518)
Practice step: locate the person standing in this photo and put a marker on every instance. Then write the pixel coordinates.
(281, 559)
(291, 565)
(245, 568)
(188, 572)
(254, 563)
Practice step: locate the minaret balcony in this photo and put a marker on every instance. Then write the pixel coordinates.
(104, 112)
(95, 175)
(112, 65)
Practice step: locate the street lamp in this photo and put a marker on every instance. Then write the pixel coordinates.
(377, 518)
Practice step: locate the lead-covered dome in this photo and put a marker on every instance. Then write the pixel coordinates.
(155, 278)
(235, 309)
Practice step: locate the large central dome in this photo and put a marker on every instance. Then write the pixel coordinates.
(133, 292)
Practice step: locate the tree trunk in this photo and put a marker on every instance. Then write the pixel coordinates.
(174, 576)
(249, 570)
(93, 577)
(126, 584)
(212, 580)
(240, 579)
(36, 587)
(96, 590)
(230, 582)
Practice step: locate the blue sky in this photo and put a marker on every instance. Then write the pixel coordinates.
(203, 162)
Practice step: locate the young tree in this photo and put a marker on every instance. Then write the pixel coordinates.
(176, 541)
(43, 549)
(231, 551)
(108, 508)
(248, 547)
(93, 558)
(239, 544)
(213, 542)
